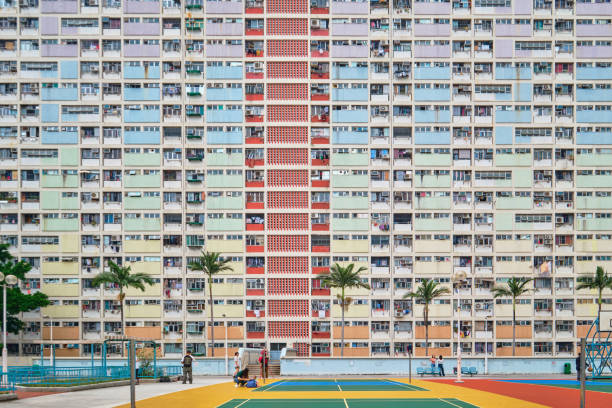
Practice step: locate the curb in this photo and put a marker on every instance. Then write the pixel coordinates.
(74, 388)
(8, 397)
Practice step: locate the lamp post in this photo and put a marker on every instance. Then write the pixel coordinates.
(226, 368)
(458, 277)
(486, 349)
(52, 350)
(6, 280)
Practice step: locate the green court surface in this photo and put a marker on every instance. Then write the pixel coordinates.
(366, 384)
(348, 403)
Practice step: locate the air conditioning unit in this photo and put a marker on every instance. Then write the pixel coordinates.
(189, 107)
(258, 65)
(95, 196)
(478, 306)
(384, 109)
(559, 220)
(399, 313)
(315, 25)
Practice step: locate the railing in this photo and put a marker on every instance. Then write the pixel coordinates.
(49, 376)
(7, 388)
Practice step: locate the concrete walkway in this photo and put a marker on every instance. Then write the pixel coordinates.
(110, 397)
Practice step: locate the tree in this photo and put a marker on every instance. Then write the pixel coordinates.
(210, 264)
(17, 301)
(600, 281)
(515, 288)
(343, 278)
(124, 279)
(426, 292)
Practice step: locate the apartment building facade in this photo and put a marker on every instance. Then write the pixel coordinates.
(418, 139)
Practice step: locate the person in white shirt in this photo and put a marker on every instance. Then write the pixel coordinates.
(236, 362)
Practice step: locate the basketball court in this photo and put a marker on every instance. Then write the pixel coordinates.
(346, 393)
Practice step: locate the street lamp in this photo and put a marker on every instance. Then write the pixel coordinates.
(6, 280)
(226, 368)
(52, 349)
(486, 348)
(458, 277)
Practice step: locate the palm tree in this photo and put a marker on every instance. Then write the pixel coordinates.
(516, 287)
(124, 279)
(426, 292)
(343, 278)
(599, 282)
(210, 264)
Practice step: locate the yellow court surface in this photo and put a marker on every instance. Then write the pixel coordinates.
(336, 393)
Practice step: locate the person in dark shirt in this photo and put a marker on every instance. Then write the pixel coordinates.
(586, 366)
(242, 377)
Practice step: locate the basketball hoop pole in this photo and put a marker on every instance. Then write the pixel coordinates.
(582, 372)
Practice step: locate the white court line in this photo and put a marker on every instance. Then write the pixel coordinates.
(443, 400)
(278, 383)
(339, 389)
(345, 403)
(242, 403)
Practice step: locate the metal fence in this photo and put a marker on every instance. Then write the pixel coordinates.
(73, 376)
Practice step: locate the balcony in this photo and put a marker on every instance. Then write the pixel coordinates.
(591, 95)
(224, 50)
(48, 137)
(350, 29)
(141, 137)
(432, 138)
(513, 30)
(512, 73)
(224, 116)
(225, 29)
(226, 72)
(512, 116)
(141, 28)
(594, 52)
(596, 73)
(345, 7)
(350, 94)
(141, 94)
(141, 50)
(432, 51)
(429, 94)
(432, 116)
(346, 72)
(594, 9)
(59, 50)
(350, 181)
(432, 30)
(216, 137)
(432, 224)
(59, 94)
(349, 137)
(350, 159)
(143, 116)
(594, 116)
(141, 72)
(59, 7)
(224, 224)
(349, 51)
(141, 7)
(224, 94)
(224, 7)
(350, 203)
(350, 116)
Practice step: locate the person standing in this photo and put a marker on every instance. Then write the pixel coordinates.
(586, 367)
(433, 362)
(441, 366)
(236, 362)
(264, 359)
(187, 363)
